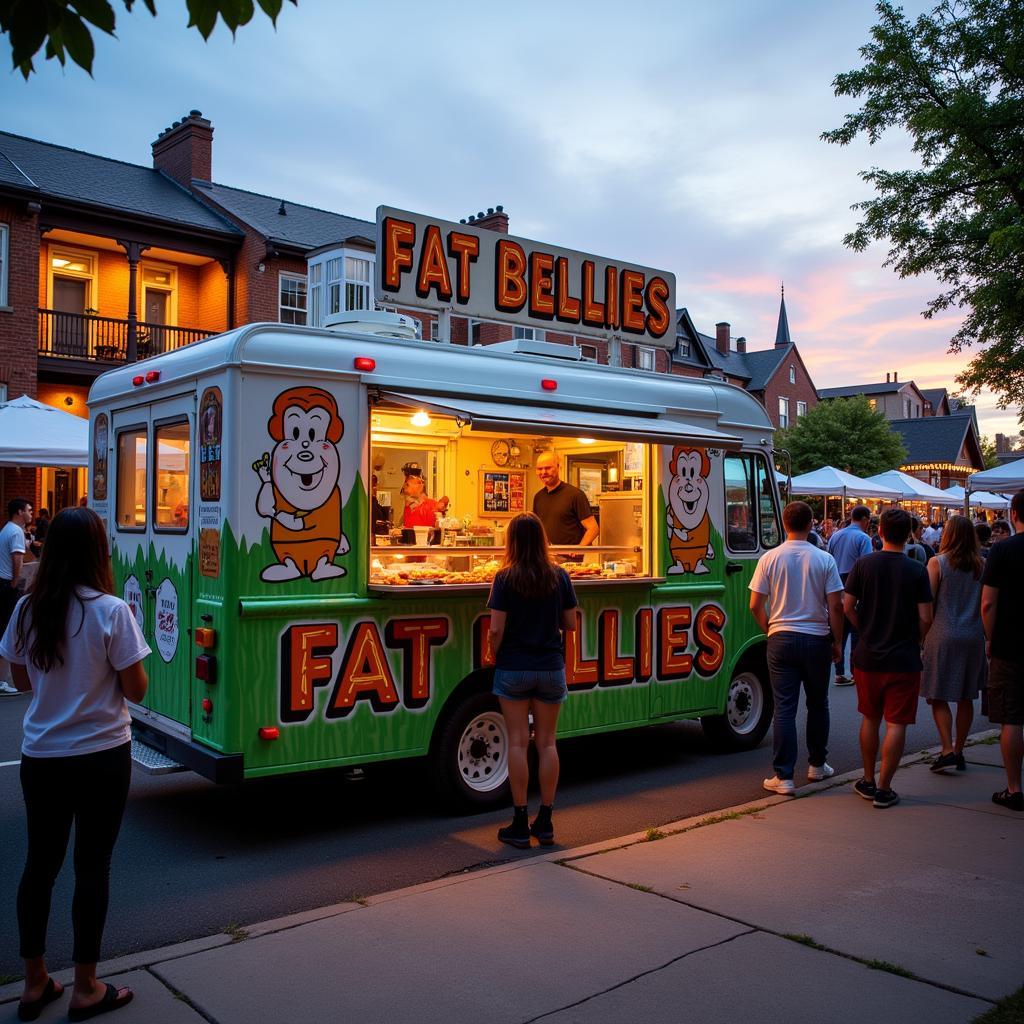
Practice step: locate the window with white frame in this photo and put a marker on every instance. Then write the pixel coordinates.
(783, 412)
(528, 333)
(3, 392)
(4, 234)
(315, 297)
(339, 282)
(588, 353)
(801, 409)
(645, 358)
(683, 345)
(792, 374)
(291, 305)
(434, 327)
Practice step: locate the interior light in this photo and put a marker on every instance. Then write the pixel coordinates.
(585, 440)
(613, 474)
(59, 263)
(420, 419)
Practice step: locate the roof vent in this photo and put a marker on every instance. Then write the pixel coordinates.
(530, 347)
(377, 322)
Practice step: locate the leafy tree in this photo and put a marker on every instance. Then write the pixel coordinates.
(953, 80)
(846, 433)
(64, 26)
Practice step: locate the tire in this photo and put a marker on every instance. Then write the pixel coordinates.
(748, 713)
(469, 758)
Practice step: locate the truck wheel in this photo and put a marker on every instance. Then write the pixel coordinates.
(748, 713)
(469, 760)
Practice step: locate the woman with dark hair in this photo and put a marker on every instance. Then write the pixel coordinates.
(532, 601)
(955, 668)
(79, 650)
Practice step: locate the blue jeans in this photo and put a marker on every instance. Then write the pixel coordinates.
(848, 633)
(796, 659)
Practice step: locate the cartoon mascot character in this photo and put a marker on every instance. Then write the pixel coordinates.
(299, 491)
(689, 526)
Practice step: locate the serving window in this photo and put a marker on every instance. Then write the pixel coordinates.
(131, 479)
(172, 444)
(443, 492)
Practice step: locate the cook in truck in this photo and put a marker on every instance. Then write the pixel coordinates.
(563, 509)
(419, 509)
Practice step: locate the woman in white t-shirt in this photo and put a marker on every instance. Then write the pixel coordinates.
(79, 650)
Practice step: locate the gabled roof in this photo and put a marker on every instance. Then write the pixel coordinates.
(97, 181)
(764, 364)
(304, 227)
(936, 396)
(732, 363)
(939, 438)
(853, 390)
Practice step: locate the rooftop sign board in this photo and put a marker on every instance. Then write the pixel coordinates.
(423, 262)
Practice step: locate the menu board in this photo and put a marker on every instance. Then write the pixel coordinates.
(502, 492)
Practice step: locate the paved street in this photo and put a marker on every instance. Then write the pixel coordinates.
(194, 858)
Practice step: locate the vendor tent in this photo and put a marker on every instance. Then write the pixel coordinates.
(34, 434)
(912, 489)
(831, 482)
(1008, 477)
(979, 499)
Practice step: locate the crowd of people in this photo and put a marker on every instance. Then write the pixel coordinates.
(929, 612)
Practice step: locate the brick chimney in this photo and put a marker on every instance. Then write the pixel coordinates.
(887, 376)
(495, 219)
(722, 337)
(741, 345)
(895, 377)
(185, 150)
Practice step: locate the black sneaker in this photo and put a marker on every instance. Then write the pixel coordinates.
(1014, 801)
(961, 764)
(543, 832)
(944, 761)
(515, 835)
(865, 789)
(886, 797)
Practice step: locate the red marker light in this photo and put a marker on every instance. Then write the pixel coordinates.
(269, 732)
(365, 363)
(152, 376)
(138, 381)
(207, 705)
(548, 384)
(206, 668)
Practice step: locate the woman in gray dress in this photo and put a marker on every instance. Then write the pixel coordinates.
(955, 668)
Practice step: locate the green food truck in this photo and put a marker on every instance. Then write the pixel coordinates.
(254, 489)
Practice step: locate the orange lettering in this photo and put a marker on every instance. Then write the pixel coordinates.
(673, 639)
(615, 669)
(433, 271)
(542, 302)
(711, 643)
(365, 675)
(611, 298)
(510, 276)
(644, 644)
(593, 312)
(580, 674)
(568, 304)
(305, 663)
(659, 318)
(415, 638)
(399, 240)
(465, 249)
(632, 301)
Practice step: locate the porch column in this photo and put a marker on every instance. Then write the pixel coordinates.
(134, 251)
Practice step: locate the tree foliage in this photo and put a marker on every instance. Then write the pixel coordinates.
(953, 80)
(63, 28)
(988, 452)
(846, 433)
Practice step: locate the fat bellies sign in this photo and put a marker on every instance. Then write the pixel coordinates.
(423, 262)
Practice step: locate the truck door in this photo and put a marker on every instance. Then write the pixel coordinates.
(151, 541)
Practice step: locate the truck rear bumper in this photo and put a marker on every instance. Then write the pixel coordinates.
(219, 768)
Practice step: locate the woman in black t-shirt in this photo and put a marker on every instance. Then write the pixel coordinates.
(532, 601)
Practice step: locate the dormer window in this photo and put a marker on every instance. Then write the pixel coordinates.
(683, 346)
(340, 280)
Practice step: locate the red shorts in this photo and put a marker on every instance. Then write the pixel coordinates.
(889, 695)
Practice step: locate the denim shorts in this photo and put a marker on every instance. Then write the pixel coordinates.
(546, 685)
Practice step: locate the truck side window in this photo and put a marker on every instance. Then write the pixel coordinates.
(131, 479)
(172, 443)
(766, 507)
(740, 527)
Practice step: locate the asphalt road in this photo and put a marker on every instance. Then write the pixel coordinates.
(194, 858)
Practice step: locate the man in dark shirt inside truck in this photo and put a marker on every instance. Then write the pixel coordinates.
(563, 509)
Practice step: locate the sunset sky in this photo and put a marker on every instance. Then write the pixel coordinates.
(678, 135)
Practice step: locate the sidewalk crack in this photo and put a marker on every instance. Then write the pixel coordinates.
(637, 977)
(181, 997)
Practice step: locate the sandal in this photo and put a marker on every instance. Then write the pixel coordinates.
(112, 1000)
(30, 1010)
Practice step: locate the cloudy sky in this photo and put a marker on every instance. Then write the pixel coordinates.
(679, 135)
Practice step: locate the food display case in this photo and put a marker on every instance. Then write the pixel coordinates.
(468, 565)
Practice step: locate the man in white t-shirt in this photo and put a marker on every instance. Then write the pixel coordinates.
(12, 554)
(796, 596)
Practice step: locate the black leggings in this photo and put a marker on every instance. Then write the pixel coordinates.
(90, 790)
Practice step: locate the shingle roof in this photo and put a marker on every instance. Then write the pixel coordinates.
(763, 364)
(732, 363)
(305, 227)
(860, 389)
(935, 395)
(933, 438)
(100, 182)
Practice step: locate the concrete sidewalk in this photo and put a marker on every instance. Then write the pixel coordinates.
(821, 909)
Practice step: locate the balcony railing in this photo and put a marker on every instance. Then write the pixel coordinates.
(105, 339)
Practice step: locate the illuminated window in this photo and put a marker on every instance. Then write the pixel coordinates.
(291, 305)
(170, 504)
(873, 402)
(131, 480)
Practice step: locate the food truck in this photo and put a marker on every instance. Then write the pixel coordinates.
(254, 489)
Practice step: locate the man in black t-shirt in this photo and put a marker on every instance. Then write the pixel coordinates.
(563, 509)
(1002, 611)
(889, 602)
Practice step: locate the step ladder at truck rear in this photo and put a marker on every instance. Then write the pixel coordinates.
(151, 761)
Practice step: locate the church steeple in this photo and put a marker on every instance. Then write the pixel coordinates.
(782, 331)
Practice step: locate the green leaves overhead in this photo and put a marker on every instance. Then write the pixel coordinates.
(63, 28)
(953, 81)
(846, 433)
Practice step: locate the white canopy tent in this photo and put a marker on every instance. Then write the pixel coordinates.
(912, 489)
(830, 482)
(34, 434)
(979, 499)
(1009, 477)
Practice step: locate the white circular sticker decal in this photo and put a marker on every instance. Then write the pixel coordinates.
(166, 630)
(133, 598)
